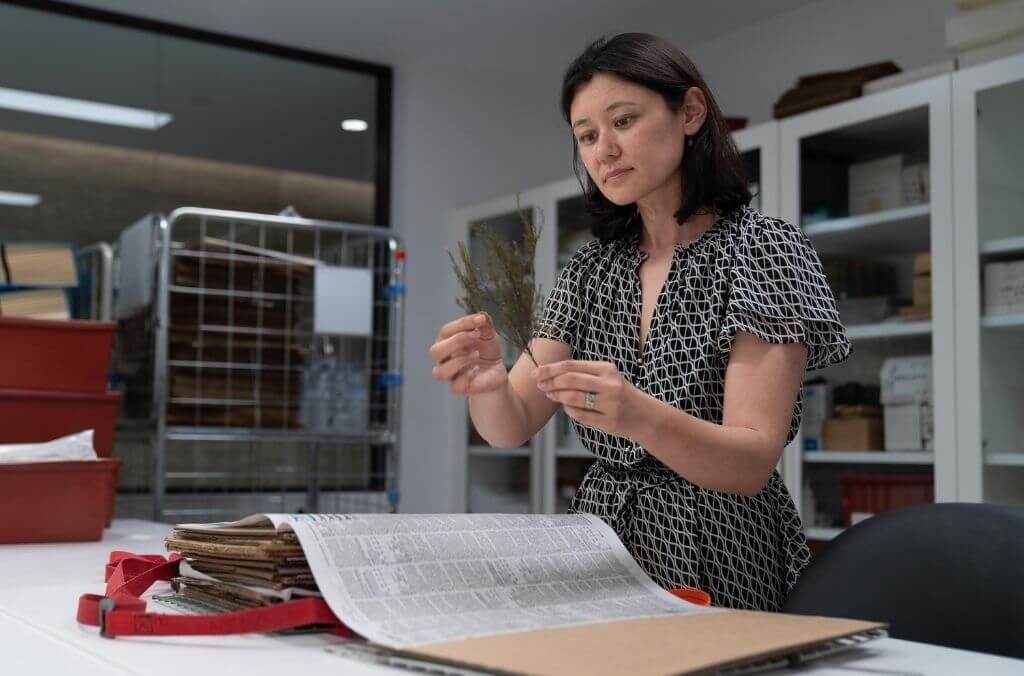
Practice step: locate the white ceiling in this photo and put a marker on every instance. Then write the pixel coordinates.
(507, 37)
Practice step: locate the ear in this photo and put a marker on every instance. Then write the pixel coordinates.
(695, 110)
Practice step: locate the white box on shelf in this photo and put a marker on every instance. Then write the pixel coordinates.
(907, 427)
(1004, 288)
(985, 25)
(817, 407)
(915, 184)
(906, 380)
(876, 185)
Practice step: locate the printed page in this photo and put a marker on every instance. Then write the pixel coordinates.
(408, 580)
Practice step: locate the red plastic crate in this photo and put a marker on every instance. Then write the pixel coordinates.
(31, 416)
(876, 493)
(68, 501)
(42, 354)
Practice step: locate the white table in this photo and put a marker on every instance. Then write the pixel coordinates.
(40, 586)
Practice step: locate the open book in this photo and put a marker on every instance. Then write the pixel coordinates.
(513, 593)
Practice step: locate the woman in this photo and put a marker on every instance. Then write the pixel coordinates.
(676, 340)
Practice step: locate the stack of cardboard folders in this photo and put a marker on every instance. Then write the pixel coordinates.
(245, 305)
(245, 567)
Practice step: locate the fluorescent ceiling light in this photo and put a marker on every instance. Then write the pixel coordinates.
(19, 199)
(79, 109)
(354, 125)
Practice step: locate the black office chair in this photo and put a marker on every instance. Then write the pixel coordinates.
(948, 574)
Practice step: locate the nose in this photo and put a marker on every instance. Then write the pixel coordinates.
(606, 147)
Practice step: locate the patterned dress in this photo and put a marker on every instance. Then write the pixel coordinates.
(749, 272)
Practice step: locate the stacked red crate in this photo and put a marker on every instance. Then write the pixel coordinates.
(53, 382)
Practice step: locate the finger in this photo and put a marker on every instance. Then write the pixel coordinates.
(449, 347)
(449, 369)
(460, 384)
(571, 381)
(553, 369)
(575, 399)
(583, 416)
(466, 323)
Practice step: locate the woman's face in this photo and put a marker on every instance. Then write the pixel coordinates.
(630, 142)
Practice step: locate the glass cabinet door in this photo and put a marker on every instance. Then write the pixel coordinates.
(988, 109)
(571, 459)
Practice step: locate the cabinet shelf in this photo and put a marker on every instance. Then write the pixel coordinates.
(896, 231)
(893, 329)
(488, 451)
(820, 534)
(1002, 321)
(1001, 247)
(1005, 459)
(871, 457)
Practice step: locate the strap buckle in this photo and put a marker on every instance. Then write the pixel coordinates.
(106, 604)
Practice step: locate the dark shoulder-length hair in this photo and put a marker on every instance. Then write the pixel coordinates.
(713, 174)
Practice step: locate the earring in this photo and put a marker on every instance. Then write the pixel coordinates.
(689, 141)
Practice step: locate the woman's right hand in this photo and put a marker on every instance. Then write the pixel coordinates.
(467, 355)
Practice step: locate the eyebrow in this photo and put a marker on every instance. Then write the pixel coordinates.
(611, 106)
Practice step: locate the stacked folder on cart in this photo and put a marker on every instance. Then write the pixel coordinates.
(246, 309)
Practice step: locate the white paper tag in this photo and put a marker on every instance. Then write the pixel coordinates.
(343, 301)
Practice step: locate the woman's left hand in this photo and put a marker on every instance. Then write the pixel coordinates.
(612, 397)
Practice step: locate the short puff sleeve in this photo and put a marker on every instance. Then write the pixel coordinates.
(779, 293)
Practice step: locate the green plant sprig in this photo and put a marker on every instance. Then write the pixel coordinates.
(506, 281)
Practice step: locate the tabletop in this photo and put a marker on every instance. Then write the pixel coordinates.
(40, 585)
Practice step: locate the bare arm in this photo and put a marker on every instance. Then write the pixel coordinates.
(738, 456)
(509, 416)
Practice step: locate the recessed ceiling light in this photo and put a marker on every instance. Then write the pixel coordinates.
(354, 125)
(19, 199)
(80, 109)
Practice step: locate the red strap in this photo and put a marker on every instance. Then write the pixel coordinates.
(121, 611)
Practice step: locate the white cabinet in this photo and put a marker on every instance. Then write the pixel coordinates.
(988, 110)
(861, 226)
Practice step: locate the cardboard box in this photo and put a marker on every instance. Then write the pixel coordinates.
(923, 263)
(915, 182)
(876, 185)
(916, 313)
(817, 408)
(1004, 288)
(923, 290)
(852, 434)
(906, 380)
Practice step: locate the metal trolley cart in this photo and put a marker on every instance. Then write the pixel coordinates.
(265, 363)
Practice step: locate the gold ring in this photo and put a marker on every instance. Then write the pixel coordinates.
(588, 401)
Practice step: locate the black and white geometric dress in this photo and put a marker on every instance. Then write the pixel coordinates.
(749, 272)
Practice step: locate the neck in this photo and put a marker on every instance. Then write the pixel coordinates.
(660, 232)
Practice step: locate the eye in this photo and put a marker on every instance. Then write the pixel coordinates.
(584, 137)
(625, 120)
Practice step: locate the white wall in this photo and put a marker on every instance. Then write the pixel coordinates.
(463, 136)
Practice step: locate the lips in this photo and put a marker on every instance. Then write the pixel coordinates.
(613, 174)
